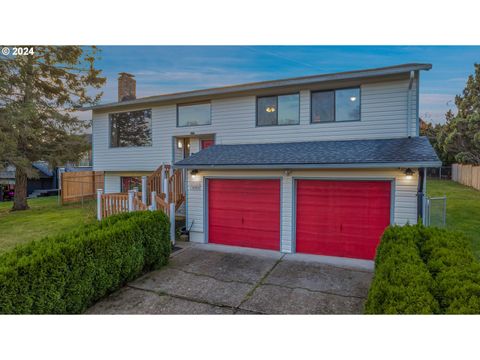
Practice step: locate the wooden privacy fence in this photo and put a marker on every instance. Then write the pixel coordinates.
(468, 175)
(81, 185)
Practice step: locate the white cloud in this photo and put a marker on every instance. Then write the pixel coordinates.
(437, 99)
(434, 106)
(150, 82)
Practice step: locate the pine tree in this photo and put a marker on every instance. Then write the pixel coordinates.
(459, 138)
(39, 94)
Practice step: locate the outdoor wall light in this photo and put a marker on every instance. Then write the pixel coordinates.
(180, 143)
(194, 174)
(409, 174)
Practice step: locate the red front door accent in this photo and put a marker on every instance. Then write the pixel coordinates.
(341, 218)
(244, 213)
(207, 143)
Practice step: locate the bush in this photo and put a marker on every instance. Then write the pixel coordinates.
(69, 272)
(422, 270)
(456, 272)
(402, 283)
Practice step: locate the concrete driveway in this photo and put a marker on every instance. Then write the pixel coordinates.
(209, 279)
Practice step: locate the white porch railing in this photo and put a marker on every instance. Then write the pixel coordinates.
(163, 190)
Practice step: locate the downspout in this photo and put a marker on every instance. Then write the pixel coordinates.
(424, 197)
(409, 102)
(417, 102)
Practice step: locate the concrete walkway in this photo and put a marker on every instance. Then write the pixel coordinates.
(203, 279)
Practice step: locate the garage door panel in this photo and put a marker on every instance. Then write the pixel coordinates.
(341, 218)
(244, 212)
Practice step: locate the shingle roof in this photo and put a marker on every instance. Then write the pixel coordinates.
(43, 168)
(407, 152)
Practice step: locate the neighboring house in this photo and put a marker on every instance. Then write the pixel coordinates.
(318, 164)
(46, 181)
(85, 162)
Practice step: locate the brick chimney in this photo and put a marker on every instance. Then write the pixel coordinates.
(127, 87)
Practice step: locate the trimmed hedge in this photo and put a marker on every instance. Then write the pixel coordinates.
(422, 270)
(67, 273)
(402, 283)
(456, 271)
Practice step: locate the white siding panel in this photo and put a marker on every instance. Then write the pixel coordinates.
(404, 202)
(286, 215)
(178, 153)
(112, 183)
(384, 112)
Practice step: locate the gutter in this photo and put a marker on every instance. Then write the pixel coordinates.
(409, 103)
(412, 164)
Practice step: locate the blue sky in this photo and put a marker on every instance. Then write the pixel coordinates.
(165, 69)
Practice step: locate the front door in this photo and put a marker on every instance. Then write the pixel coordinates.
(206, 143)
(186, 148)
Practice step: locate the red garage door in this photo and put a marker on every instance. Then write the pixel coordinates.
(341, 218)
(244, 213)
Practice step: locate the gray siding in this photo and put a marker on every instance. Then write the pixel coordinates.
(112, 183)
(385, 111)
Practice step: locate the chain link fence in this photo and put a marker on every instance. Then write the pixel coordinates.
(435, 211)
(440, 173)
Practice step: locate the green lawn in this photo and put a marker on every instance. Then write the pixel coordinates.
(463, 208)
(45, 217)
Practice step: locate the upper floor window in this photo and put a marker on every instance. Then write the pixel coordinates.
(278, 110)
(194, 115)
(132, 128)
(336, 105)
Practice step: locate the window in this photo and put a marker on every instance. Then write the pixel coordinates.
(194, 115)
(336, 105)
(278, 110)
(130, 182)
(323, 106)
(132, 128)
(347, 105)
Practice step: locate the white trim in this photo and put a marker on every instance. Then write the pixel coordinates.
(313, 166)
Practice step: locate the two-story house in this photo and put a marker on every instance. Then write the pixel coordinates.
(318, 164)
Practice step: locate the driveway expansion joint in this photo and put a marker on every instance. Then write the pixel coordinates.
(250, 294)
(198, 301)
(260, 282)
(315, 291)
(211, 277)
